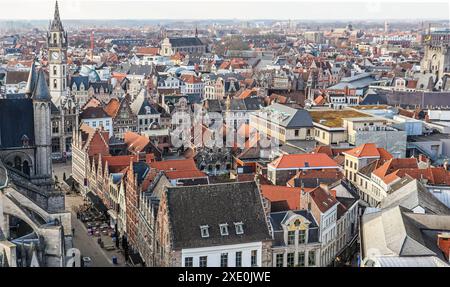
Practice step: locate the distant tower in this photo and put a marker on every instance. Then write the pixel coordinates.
(57, 54)
(196, 32)
(386, 27)
(92, 46)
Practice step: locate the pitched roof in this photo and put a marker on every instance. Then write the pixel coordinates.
(136, 142)
(191, 207)
(112, 107)
(276, 193)
(368, 150)
(393, 165)
(176, 164)
(40, 91)
(304, 161)
(93, 113)
(16, 111)
(185, 41)
(322, 199)
(411, 193)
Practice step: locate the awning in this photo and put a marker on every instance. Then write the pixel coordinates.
(98, 204)
(135, 259)
(112, 213)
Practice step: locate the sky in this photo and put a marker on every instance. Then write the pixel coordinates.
(230, 9)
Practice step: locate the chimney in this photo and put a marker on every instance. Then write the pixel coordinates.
(333, 193)
(443, 242)
(324, 186)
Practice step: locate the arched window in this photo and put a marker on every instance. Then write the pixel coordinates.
(17, 163)
(55, 83)
(26, 168)
(54, 70)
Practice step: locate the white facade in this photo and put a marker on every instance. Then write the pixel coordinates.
(328, 235)
(213, 254)
(98, 122)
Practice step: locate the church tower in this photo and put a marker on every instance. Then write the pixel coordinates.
(57, 52)
(38, 91)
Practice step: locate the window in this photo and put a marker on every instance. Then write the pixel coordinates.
(254, 258)
(223, 229)
(204, 231)
(296, 133)
(239, 227)
(188, 262)
(94, 124)
(279, 260)
(55, 127)
(224, 260)
(55, 84)
(301, 259)
(291, 237)
(239, 259)
(301, 236)
(54, 70)
(311, 258)
(203, 261)
(290, 259)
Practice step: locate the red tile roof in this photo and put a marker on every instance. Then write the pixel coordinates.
(135, 142)
(112, 107)
(176, 164)
(323, 200)
(147, 51)
(393, 165)
(368, 150)
(308, 160)
(277, 193)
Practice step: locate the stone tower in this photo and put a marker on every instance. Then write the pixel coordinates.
(57, 55)
(42, 127)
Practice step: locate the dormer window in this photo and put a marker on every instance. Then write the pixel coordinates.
(204, 231)
(223, 229)
(239, 227)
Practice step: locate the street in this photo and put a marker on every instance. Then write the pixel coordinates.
(87, 245)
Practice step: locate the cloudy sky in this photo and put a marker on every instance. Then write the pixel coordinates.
(230, 9)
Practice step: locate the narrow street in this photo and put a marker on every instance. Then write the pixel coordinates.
(87, 245)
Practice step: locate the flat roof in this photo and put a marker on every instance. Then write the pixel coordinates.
(334, 118)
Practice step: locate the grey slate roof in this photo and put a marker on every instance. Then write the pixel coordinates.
(277, 218)
(411, 193)
(94, 113)
(289, 117)
(40, 91)
(403, 233)
(32, 76)
(78, 80)
(195, 206)
(185, 41)
(409, 99)
(16, 120)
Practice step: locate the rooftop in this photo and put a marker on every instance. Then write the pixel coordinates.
(334, 118)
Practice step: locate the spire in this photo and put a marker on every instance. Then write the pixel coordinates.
(31, 80)
(56, 23)
(40, 92)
